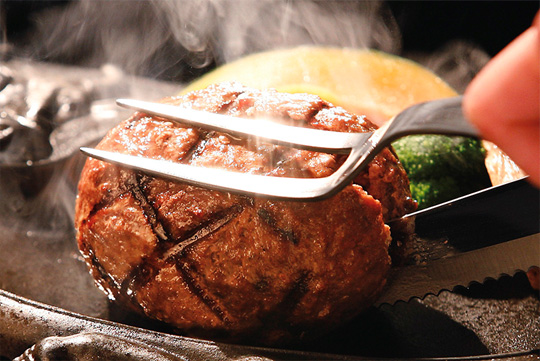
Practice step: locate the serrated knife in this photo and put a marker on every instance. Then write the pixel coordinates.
(483, 235)
(461, 270)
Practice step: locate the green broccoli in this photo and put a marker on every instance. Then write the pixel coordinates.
(441, 168)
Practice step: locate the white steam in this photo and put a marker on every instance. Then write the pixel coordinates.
(149, 38)
(238, 28)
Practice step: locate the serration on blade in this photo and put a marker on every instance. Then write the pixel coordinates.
(461, 270)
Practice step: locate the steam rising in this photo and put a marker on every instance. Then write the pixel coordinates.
(237, 28)
(457, 62)
(171, 38)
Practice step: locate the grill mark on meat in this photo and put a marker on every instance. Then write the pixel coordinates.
(167, 249)
(187, 271)
(311, 116)
(278, 316)
(218, 220)
(299, 288)
(178, 252)
(136, 187)
(198, 147)
(171, 251)
(96, 266)
(284, 234)
(138, 277)
(146, 269)
(106, 201)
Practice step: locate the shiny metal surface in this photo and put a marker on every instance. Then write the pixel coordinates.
(463, 269)
(435, 117)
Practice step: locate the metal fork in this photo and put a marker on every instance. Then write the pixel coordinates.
(434, 117)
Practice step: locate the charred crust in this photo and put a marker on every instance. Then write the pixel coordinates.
(284, 234)
(298, 289)
(203, 230)
(133, 185)
(136, 188)
(178, 252)
(278, 317)
(311, 116)
(173, 252)
(168, 249)
(96, 266)
(138, 277)
(262, 285)
(198, 148)
(187, 271)
(109, 197)
(145, 270)
(104, 203)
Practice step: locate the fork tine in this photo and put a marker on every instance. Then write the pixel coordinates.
(298, 189)
(296, 137)
(439, 117)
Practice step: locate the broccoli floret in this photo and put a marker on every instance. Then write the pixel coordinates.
(441, 168)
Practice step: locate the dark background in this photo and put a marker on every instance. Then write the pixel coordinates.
(425, 25)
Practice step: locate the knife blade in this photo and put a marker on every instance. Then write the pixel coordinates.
(462, 269)
(483, 218)
(482, 235)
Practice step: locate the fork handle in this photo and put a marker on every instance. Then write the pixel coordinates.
(444, 116)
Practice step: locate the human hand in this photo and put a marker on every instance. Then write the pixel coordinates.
(503, 101)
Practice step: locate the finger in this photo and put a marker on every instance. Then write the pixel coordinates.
(508, 88)
(503, 101)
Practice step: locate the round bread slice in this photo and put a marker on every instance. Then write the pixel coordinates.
(231, 267)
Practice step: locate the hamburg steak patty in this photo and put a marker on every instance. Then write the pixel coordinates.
(231, 267)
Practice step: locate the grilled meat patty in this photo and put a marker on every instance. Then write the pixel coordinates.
(231, 267)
